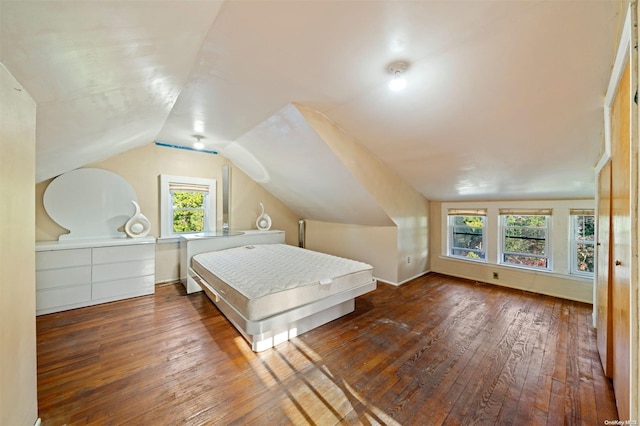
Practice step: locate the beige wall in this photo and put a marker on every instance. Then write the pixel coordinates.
(18, 390)
(375, 245)
(141, 168)
(408, 209)
(558, 283)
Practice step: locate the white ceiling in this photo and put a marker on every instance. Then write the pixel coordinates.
(504, 98)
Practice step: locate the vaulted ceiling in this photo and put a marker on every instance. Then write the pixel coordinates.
(504, 98)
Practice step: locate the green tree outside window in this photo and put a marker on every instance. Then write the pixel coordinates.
(188, 211)
(525, 240)
(584, 239)
(467, 236)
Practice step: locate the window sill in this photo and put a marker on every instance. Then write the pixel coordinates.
(464, 259)
(525, 268)
(168, 240)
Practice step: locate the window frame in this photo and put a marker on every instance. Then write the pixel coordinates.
(503, 215)
(574, 242)
(451, 216)
(166, 204)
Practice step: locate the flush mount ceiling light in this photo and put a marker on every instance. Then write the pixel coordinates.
(198, 144)
(398, 82)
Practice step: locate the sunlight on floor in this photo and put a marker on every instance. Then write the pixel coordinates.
(311, 391)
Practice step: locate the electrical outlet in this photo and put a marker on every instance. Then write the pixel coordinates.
(408, 259)
(495, 276)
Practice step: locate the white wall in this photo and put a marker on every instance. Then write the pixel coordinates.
(18, 388)
(559, 282)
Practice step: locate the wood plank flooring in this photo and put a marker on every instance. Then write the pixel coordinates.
(437, 350)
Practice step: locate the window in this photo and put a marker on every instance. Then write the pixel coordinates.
(582, 242)
(525, 238)
(188, 205)
(466, 234)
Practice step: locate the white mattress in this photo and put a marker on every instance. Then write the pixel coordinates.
(266, 279)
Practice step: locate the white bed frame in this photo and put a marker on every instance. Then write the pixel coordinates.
(268, 332)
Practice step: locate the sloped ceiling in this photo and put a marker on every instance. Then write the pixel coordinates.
(104, 74)
(276, 149)
(504, 98)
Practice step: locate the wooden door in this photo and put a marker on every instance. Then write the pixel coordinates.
(603, 282)
(621, 243)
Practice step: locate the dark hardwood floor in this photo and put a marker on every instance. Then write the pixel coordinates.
(437, 350)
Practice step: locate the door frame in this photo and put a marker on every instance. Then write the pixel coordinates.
(625, 53)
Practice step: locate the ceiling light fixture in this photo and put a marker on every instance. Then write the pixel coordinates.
(398, 82)
(197, 144)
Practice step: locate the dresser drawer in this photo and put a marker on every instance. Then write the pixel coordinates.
(116, 271)
(85, 273)
(62, 258)
(46, 299)
(64, 277)
(123, 253)
(129, 287)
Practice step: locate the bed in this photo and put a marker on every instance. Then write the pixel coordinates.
(273, 292)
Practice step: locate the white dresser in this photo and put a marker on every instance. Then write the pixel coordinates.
(73, 274)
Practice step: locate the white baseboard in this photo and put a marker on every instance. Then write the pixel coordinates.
(414, 277)
(405, 281)
(169, 281)
(38, 422)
